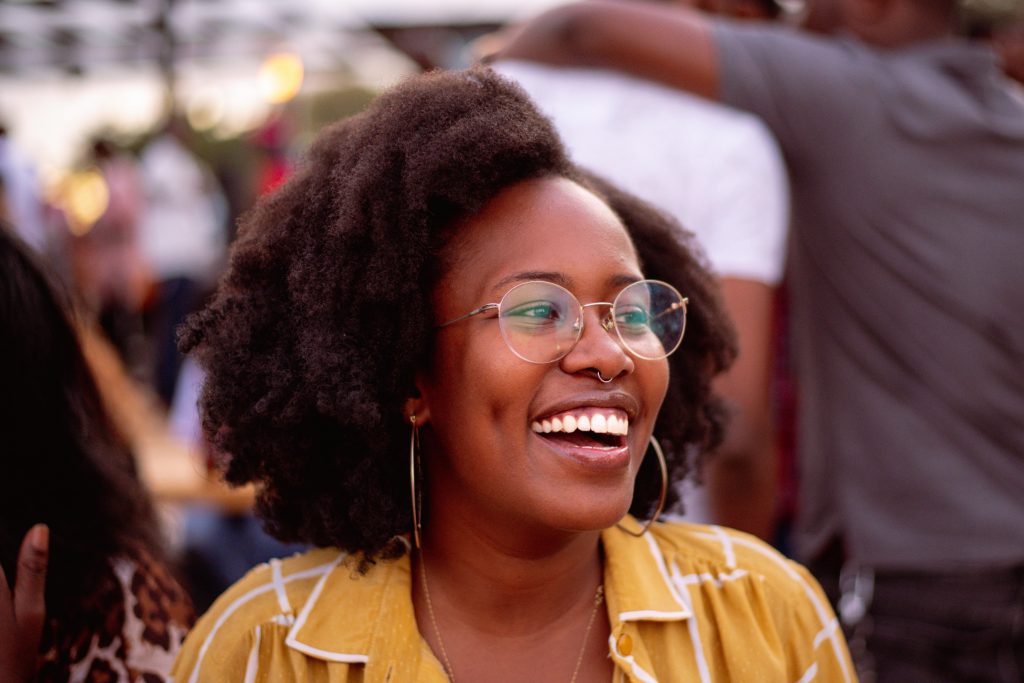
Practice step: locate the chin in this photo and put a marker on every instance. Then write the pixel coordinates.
(595, 517)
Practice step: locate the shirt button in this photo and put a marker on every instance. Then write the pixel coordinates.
(624, 645)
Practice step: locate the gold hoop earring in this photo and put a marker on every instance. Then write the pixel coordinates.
(661, 498)
(414, 467)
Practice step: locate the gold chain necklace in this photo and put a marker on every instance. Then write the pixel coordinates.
(598, 599)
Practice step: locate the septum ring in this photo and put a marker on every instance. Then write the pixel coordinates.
(601, 377)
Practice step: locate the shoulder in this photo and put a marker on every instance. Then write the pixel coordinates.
(727, 553)
(752, 51)
(270, 591)
(154, 595)
(295, 576)
(157, 615)
(722, 546)
(130, 628)
(270, 594)
(780, 73)
(784, 42)
(730, 596)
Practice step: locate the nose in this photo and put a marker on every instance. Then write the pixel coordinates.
(599, 347)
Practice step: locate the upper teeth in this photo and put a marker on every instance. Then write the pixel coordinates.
(597, 423)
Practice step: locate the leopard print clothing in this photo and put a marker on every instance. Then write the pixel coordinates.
(129, 632)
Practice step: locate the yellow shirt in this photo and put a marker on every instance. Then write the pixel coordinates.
(685, 602)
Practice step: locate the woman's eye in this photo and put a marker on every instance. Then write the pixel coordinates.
(632, 318)
(539, 317)
(537, 310)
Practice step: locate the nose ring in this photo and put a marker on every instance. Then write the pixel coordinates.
(601, 377)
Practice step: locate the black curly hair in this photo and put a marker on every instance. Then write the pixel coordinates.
(313, 337)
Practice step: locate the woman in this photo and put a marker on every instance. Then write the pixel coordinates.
(436, 355)
(113, 613)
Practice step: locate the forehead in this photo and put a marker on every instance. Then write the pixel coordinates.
(544, 225)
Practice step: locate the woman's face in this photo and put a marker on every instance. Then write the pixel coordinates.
(485, 459)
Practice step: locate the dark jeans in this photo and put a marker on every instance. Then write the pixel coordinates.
(937, 627)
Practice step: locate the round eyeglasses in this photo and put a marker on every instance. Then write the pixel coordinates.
(542, 322)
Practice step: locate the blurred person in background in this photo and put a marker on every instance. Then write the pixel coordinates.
(5, 214)
(111, 271)
(1000, 22)
(21, 194)
(183, 237)
(905, 146)
(720, 174)
(113, 612)
(270, 141)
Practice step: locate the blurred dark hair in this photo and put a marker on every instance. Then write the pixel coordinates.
(312, 340)
(63, 462)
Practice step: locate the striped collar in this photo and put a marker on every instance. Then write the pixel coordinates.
(369, 619)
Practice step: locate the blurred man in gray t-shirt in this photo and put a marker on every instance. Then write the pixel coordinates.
(905, 147)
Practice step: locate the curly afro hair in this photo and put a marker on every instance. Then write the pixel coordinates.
(313, 337)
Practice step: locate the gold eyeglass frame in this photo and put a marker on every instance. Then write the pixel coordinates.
(607, 322)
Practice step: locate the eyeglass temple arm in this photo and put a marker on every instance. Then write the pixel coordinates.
(674, 307)
(475, 311)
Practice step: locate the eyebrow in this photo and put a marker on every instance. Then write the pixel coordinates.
(527, 275)
(621, 279)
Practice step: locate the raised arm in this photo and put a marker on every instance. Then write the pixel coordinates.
(666, 43)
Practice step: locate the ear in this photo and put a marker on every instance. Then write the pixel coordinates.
(417, 404)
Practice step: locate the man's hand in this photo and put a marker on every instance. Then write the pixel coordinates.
(23, 611)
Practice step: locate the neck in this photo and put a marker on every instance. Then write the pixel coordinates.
(508, 593)
(495, 586)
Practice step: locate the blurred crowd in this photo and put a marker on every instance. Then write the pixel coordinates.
(748, 175)
(145, 241)
(137, 237)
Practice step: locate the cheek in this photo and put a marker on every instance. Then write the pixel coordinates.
(477, 385)
(655, 384)
(479, 398)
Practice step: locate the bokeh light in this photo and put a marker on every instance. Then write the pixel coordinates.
(281, 77)
(205, 109)
(85, 199)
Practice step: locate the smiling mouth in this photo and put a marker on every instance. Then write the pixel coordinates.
(585, 428)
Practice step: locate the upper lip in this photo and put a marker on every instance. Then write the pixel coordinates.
(611, 399)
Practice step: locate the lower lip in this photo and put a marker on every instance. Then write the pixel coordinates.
(599, 458)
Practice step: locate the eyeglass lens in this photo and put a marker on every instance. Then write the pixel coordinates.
(541, 321)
